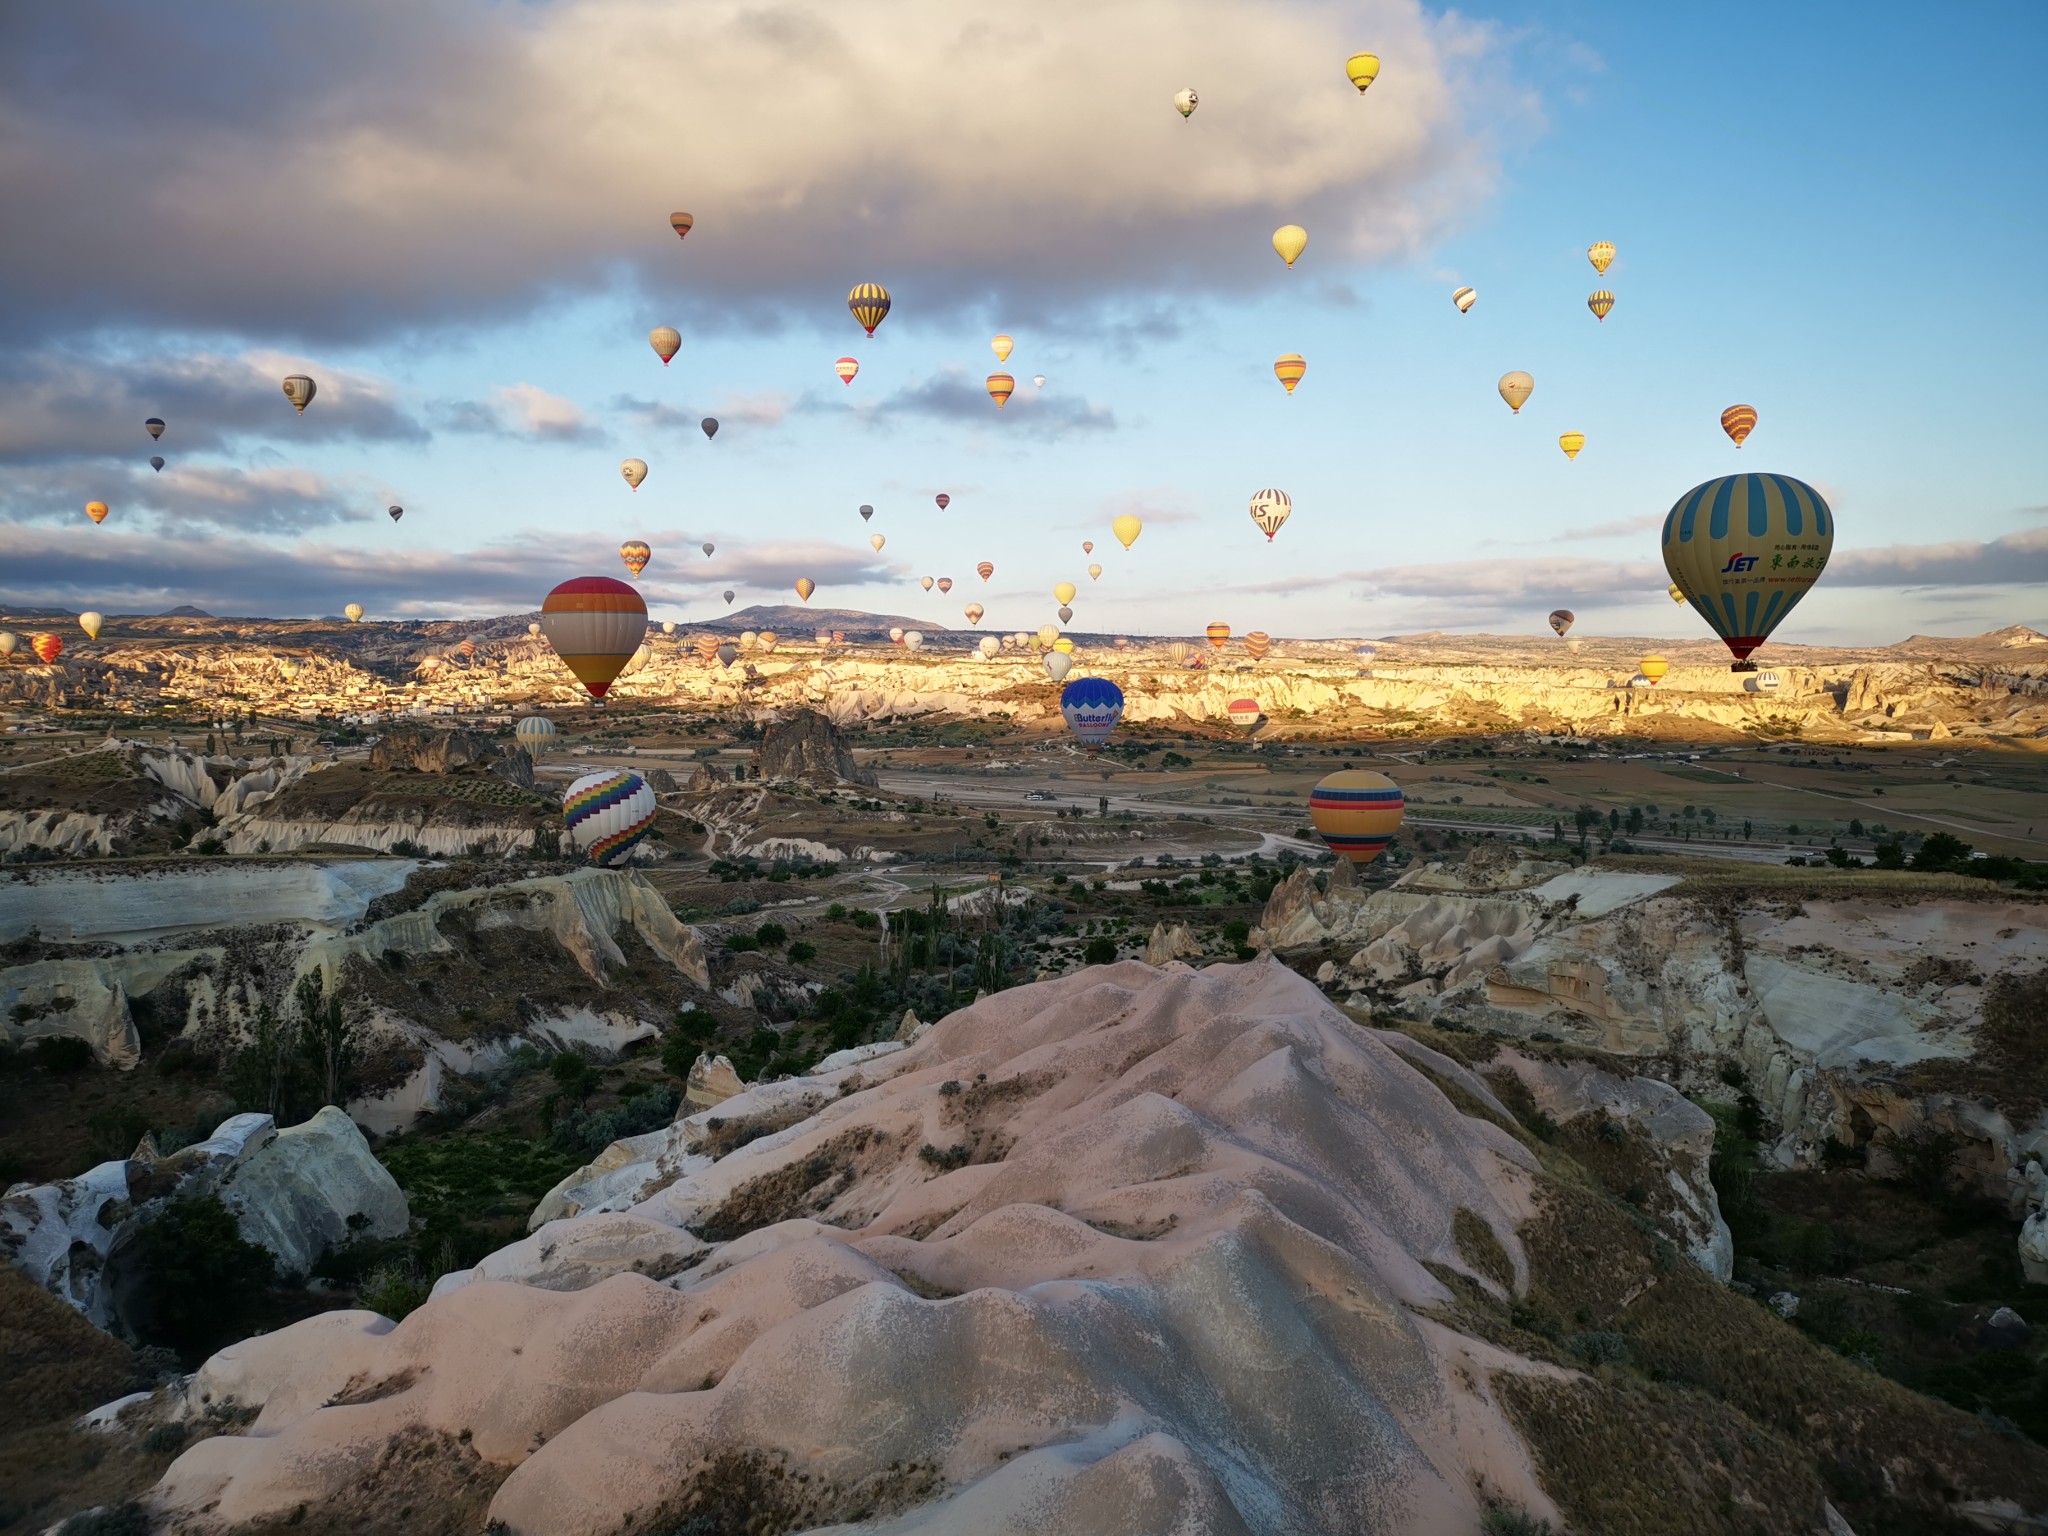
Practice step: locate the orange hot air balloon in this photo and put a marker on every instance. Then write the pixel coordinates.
(47, 647)
(636, 555)
(985, 570)
(96, 510)
(594, 624)
(1288, 369)
(1257, 643)
(1219, 635)
(1000, 387)
(1357, 812)
(1655, 668)
(680, 223)
(805, 587)
(846, 368)
(707, 647)
(1738, 421)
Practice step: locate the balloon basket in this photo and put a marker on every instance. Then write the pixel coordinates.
(1742, 666)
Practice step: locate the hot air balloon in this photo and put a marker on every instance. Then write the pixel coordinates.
(533, 631)
(47, 647)
(974, 611)
(156, 463)
(869, 303)
(805, 587)
(1003, 346)
(1600, 253)
(96, 510)
(945, 583)
(708, 547)
(1185, 101)
(634, 471)
(985, 570)
(875, 542)
(395, 513)
(90, 622)
(154, 427)
(1464, 298)
(1290, 240)
(468, 649)
(1057, 665)
(1000, 387)
(913, 639)
(1257, 643)
(668, 626)
(1738, 421)
(727, 654)
(710, 426)
(667, 341)
(8, 641)
(595, 624)
(636, 555)
(925, 582)
(896, 636)
(1288, 369)
(1763, 682)
(866, 512)
(1365, 652)
(1219, 634)
(1127, 528)
(680, 223)
(1066, 614)
(353, 613)
(1064, 591)
(707, 649)
(1361, 69)
(1038, 379)
(944, 501)
(1675, 592)
(1515, 388)
(1244, 712)
(1745, 549)
(1654, 668)
(1270, 509)
(607, 815)
(846, 368)
(1561, 621)
(1600, 301)
(1046, 636)
(990, 647)
(1095, 573)
(768, 641)
(1357, 812)
(1092, 706)
(300, 390)
(1571, 443)
(536, 733)
(1178, 653)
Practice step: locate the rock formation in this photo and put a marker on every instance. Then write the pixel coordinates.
(420, 749)
(805, 745)
(1169, 944)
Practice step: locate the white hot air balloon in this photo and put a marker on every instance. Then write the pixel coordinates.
(1057, 665)
(990, 647)
(90, 622)
(913, 640)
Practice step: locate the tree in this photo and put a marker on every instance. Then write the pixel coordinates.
(1942, 851)
(1891, 856)
(201, 1273)
(1100, 951)
(1635, 818)
(326, 1039)
(261, 1073)
(1855, 827)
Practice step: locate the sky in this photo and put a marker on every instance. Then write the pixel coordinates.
(455, 218)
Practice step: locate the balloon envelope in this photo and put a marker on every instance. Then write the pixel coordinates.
(536, 733)
(944, 501)
(1244, 712)
(634, 471)
(47, 647)
(1064, 591)
(90, 622)
(985, 570)
(1738, 421)
(1185, 101)
(990, 647)
(945, 583)
(96, 510)
(875, 542)
(925, 582)
(1003, 346)
(353, 613)
(156, 463)
(869, 303)
(1270, 509)
(1515, 388)
(846, 368)
(1058, 664)
(1600, 253)
(1571, 443)
(636, 555)
(1464, 298)
(1095, 573)
(1561, 621)
(8, 641)
(708, 548)
(1127, 528)
(1066, 614)
(1744, 549)
(866, 512)
(608, 814)
(974, 611)
(1290, 240)
(1655, 668)
(667, 341)
(1257, 644)
(1219, 634)
(805, 587)
(1288, 368)
(1361, 69)
(1092, 706)
(395, 513)
(913, 639)
(154, 426)
(1600, 302)
(680, 223)
(1000, 387)
(1357, 812)
(710, 426)
(594, 624)
(1046, 635)
(300, 390)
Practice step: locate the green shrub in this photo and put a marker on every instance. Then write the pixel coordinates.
(771, 935)
(1101, 951)
(394, 1290)
(61, 1055)
(801, 953)
(742, 943)
(114, 1520)
(202, 1276)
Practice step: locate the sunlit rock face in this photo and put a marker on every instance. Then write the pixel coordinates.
(1112, 1253)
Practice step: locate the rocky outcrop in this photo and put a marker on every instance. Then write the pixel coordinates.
(296, 1192)
(712, 1080)
(1169, 944)
(417, 749)
(805, 745)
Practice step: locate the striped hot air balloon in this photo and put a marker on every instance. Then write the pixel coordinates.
(1745, 549)
(985, 570)
(353, 613)
(707, 647)
(1270, 509)
(1738, 421)
(1561, 620)
(1000, 387)
(942, 501)
(1003, 346)
(536, 733)
(1655, 668)
(608, 814)
(846, 368)
(1600, 301)
(1288, 369)
(1357, 812)
(1464, 298)
(945, 583)
(594, 624)
(681, 224)
(974, 612)
(870, 305)
(636, 555)
(1571, 443)
(1245, 712)
(1092, 707)
(1219, 635)
(1257, 643)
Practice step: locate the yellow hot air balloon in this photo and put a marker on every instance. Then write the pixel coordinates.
(1745, 549)
(1003, 346)
(925, 582)
(1571, 443)
(636, 555)
(1290, 240)
(1515, 388)
(1000, 387)
(1738, 421)
(634, 471)
(1654, 668)
(96, 510)
(1357, 812)
(876, 541)
(353, 613)
(1185, 101)
(805, 587)
(1095, 573)
(1361, 69)
(869, 303)
(1600, 253)
(667, 341)
(90, 622)
(1047, 634)
(1674, 593)
(1065, 591)
(1219, 634)
(1600, 302)
(1288, 369)
(1064, 646)
(1127, 528)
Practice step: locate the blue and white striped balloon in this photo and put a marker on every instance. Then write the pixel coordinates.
(1092, 707)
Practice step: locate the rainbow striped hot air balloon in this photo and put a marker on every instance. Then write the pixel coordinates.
(594, 624)
(1288, 369)
(870, 305)
(1219, 634)
(1000, 387)
(1257, 643)
(1744, 549)
(608, 815)
(1357, 812)
(1092, 707)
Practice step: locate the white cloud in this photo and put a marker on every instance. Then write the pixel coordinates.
(531, 409)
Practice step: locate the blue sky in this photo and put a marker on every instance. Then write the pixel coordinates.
(1830, 213)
